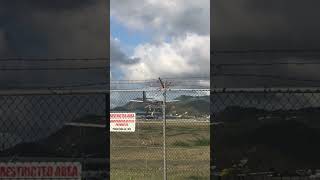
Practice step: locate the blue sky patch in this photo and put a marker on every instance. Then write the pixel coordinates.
(129, 39)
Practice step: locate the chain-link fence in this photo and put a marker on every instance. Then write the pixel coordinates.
(140, 155)
(266, 130)
(43, 127)
(268, 176)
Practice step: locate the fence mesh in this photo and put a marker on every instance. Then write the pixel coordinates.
(139, 154)
(253, 131)
(266, 131)
(52, 128)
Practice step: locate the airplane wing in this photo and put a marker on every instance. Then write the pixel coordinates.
(135, 100)
(85, 125)
(168, 101)
(152, 100)
(173, 101)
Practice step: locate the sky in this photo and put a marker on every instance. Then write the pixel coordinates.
(53, 29)
(151, 39)
(253, 24)
(41, 29)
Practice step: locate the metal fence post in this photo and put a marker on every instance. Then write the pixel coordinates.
(164, 88)
(164, 135)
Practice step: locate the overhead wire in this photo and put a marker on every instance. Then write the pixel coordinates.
(51, 69)
(51, 59)
(265, 64)
(264, 76)
(250, 51)
(57, 86)
(47, 68)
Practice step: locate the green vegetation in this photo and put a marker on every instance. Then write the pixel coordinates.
(198, 141)
(136, 174)
(181, 144)
(139, 155)
(202, 141)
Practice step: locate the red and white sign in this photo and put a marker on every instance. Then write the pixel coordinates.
(41, 170)
(122, 122)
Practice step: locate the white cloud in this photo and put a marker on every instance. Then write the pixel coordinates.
(186, 23)
(165, 17)
(184, 56)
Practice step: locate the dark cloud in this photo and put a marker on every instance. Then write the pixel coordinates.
(117, 56)
(265, 24)
(54, 29)
(251, 24)
(46, 4)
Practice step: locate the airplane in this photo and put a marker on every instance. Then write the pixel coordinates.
(152, 105)
(144, 99)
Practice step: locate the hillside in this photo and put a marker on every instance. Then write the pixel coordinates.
(280, 139)
(69, 141)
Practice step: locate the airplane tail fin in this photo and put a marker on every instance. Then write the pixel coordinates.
(144, 96)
